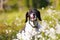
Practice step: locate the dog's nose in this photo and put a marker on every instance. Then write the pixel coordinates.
(32, 16)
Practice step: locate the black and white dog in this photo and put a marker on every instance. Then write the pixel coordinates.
(32, 26)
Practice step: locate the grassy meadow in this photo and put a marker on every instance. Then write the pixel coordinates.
(12, 22)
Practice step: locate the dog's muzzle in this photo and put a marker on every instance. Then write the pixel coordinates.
(32, 17)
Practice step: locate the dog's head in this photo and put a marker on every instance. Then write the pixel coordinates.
(33, 14)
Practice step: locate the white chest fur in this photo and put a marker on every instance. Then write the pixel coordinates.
(30, 30)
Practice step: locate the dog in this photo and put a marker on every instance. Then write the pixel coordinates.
(32, 25)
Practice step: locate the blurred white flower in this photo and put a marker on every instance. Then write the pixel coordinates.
(39, 36)
(58, 28)
(49, 11)
(54, 11)
(15, 23)
(17, 18)
(52, 33)
(42, 8)
(10, 30)
(48, 39)
(18, 24)
(19, 35)
(43, 38)
(47, 32)
(51, 7)
(44, 25)
(34, 32)
(15, 39)
(50, 22)
(52, 30)
(6, 31)
(43, 30)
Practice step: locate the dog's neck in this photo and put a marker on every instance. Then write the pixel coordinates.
(34, 24)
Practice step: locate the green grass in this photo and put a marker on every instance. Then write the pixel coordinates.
(8, 20)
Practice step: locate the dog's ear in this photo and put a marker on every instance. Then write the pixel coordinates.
(38, 15)
(26, 17)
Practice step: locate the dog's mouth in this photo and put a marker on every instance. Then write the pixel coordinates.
(32, 16)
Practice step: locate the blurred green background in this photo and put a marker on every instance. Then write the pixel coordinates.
(12, 15)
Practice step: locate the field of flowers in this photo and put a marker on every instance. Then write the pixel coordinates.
(12, 23)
